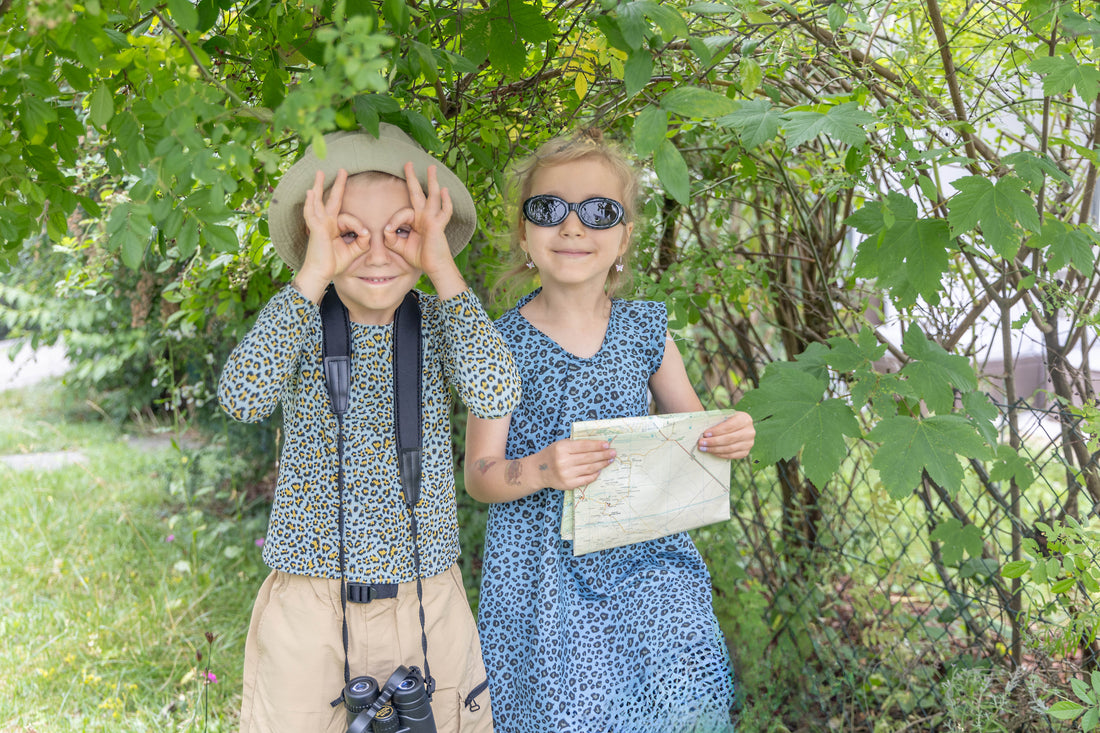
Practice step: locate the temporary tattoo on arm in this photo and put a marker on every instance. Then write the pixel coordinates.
(544, 466)
(511, 474)
(483, 465)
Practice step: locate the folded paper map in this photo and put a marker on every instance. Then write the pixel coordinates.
(660, 482)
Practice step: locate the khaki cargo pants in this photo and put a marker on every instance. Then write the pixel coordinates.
(294, 657)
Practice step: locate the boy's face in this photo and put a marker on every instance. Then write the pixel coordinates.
(378, 280)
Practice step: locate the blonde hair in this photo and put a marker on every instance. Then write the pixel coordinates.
(582, 145)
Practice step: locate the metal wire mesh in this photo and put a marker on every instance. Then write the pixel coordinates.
(845, 608)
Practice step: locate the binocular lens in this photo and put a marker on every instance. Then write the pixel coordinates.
(411, 699)
(359, 694)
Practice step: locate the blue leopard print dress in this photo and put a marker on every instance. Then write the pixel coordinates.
(618, 641)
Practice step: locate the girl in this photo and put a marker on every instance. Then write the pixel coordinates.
(623, 639)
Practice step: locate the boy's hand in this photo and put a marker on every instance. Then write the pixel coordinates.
(425, 245)
(330, 250)
(731, 438)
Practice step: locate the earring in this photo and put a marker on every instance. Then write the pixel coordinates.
(619, 265)
(530, 264)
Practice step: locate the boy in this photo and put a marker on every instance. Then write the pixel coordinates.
(372, 236)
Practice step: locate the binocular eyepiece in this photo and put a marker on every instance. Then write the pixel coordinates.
(399, 706)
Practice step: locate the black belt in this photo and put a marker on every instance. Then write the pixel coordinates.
(367, 592)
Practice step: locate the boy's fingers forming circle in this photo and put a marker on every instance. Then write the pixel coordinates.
(336, 194)
(416, 193)
(348, 223)
(446, 206)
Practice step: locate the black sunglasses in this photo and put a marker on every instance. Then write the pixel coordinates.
(595, 213)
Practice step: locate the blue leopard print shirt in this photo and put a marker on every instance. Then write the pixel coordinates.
(279, 363)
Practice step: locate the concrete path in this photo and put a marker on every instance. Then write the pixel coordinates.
(30, 367)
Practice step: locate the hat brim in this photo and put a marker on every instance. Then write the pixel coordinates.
(359, 152)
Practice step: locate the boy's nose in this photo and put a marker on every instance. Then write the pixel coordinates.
(376, 248)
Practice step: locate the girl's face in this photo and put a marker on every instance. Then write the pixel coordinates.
(377, 281)
(569, 253)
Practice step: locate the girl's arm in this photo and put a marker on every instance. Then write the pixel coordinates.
(731, 438)
(492, 478)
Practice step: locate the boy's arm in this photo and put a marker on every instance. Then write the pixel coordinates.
(266, 359)
(476, 360)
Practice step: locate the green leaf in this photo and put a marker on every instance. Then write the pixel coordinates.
(837, 16)
(397, 15)
(131, 245)
(507, 52)
(1082, 690)
(750, 75)
(667, 18)
(637, 71)
(843, 123)
(1015, 568)
(955, 539)
(184, 14)
(632, 24)
(934, 374)
(101, 106)
(698, 103)
(997, 208)
(1079, 25)
(1065, 585)
(1066, 710)
(36, 118)
(428, 66)
(911, 446)
(187, 240)
(1063, 73)
(756, 122)
(1034, 169)
(1011, 465)
(221, 238)
(1090, 720)
(475, 37)
(672, 172)
(1067, 245)
(909, 255)
(533, 26)
(792, 417)
(983, 414)
(650, 130)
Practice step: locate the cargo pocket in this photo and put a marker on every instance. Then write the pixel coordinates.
(476, 714)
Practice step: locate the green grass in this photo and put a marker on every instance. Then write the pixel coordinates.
(116, 572)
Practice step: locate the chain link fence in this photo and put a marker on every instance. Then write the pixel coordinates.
(848, 610)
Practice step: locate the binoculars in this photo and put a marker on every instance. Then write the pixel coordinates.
(399, 706)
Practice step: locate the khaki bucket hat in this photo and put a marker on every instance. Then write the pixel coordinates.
(359, 152)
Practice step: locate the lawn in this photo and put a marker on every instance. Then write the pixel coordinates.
(128, 577)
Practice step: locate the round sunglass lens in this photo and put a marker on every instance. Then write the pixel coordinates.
(601, 213)
(545, 211)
